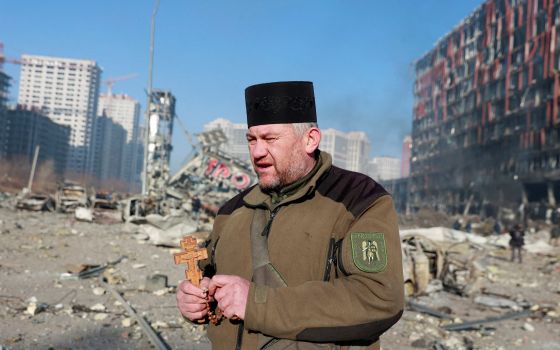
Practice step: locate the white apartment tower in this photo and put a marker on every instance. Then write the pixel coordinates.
(236, 135)
(358, 151)
(335, 143)
(65, 90)
(385, 168)
(349, 150)
(124, 111)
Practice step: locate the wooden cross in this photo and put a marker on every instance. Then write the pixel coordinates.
(191, 255)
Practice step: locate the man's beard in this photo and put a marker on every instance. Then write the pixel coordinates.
(295, 170)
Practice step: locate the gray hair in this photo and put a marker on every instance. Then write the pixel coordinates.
(301, 128)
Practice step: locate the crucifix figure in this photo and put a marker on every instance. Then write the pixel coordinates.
(191, 255)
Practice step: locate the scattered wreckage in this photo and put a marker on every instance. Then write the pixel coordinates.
(450, 263)
(213, 177)
(70, 196)
(104, 200)
(35, 202)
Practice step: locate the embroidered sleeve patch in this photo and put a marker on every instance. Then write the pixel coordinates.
(369, 252)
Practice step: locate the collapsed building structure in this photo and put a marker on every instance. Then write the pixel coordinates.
(161, 113)
(211, 174)
(485, 126)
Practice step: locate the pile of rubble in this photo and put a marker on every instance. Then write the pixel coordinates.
(465, 293)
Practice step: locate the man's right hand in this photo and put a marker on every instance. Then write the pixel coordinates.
(193, 301)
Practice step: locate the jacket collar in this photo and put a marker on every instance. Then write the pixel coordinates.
(257, 198)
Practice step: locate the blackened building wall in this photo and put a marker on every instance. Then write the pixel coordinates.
(486, 121)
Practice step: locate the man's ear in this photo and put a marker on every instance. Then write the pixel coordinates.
(312, 140)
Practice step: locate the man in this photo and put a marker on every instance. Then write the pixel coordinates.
(554, 235)
(309, 258)
(195, 209)
(516, 242)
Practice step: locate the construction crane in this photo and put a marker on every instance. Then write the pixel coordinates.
(4, 59)
(111, 80)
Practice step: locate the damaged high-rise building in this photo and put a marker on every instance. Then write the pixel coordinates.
(486, 123)
(161, 114)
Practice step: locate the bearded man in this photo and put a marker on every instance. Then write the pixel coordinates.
(286, 266)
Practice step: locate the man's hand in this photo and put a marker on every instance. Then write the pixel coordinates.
(231, 293)
(193, 301)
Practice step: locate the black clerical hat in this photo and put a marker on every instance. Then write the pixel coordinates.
(280, 103)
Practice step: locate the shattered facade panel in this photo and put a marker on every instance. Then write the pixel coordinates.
(486, 108)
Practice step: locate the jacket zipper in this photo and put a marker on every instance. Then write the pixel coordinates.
(266, 230)
(330, 260)
(265, 233)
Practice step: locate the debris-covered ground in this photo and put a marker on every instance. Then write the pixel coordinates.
(46, 301)
(43, 305)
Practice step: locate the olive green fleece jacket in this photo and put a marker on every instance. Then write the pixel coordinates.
(340, 291)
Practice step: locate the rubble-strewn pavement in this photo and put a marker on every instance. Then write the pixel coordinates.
(43, 305)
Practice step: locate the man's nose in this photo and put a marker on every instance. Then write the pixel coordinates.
(259, 150)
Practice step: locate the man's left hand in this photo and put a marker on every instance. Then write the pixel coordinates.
(231, 293)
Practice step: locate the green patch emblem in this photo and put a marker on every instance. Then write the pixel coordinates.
(369, 252)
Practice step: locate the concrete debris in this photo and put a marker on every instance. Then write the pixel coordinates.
(539, 247)
(455, 267)
(161, 292)
(98, 291)
(159, 325)
(112, 276)
(155, 282)
(493, 301)
(98, 307)
(142, 236)
(100, 316)
(444, 234)
(7, 200)
(83, 214)
(528, 327)
(128, 322)
(461, 272)
(167, 230)
(35, 307)
(422, 262)
(434, 286)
